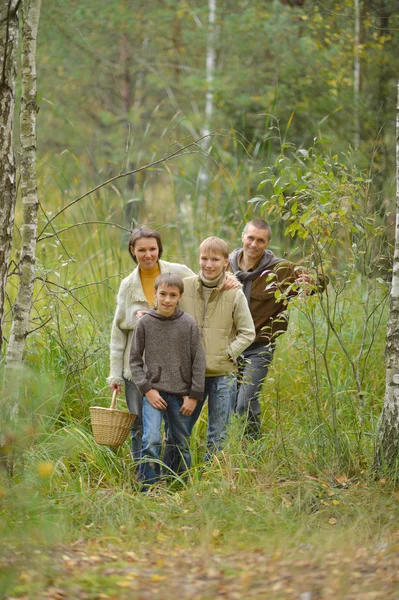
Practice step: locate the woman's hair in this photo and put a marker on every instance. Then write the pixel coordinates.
(169, 279)
(144, 232)
(215, 244)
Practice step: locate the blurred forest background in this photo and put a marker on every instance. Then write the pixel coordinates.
(122, 83)
(284, 109)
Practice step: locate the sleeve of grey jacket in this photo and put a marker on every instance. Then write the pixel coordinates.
(136, 359)
(244, 326)
(198, 365)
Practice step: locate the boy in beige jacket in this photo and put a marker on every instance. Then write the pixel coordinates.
(226, 328)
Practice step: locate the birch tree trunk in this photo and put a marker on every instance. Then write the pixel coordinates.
(23, 304)
(210, 66)
(356, 75)
(387, 453)
(8, 72)
(210, 75)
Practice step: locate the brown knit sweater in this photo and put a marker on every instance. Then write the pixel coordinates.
(167, 355)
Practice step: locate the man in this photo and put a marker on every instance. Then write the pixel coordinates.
(262, 275)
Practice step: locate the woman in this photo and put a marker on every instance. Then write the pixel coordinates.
(136, 293)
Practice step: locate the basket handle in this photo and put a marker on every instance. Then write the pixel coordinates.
(114, 395)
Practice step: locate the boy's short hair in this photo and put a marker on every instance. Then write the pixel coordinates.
(215, 244)
(169, 279)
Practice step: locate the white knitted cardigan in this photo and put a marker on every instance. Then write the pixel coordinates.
(131, 299)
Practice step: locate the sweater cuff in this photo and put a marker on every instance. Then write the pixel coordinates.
(146, 387)
(232, 353)
(115, 381)
(199, 396)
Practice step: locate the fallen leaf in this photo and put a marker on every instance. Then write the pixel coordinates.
(215, 533)
(342, 479)
(132, 556)
(124, 583)
(246, 578)
(287, 503)
(158, 577)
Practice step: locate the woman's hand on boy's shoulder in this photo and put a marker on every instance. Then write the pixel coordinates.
(188, 406)
(230, 281)
(156, 400)
(141, 313)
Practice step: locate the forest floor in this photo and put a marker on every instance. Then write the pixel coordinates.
(108, 569)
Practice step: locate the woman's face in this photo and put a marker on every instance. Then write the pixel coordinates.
(146, 252)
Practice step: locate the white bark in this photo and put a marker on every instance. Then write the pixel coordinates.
(210, 76)
(23, 304)
(388, 447)
(8, 57)
(356, 75)
(210, 65)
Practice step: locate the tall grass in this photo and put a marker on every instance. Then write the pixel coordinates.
(298, 440)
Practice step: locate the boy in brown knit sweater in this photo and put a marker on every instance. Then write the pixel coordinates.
(167, 362)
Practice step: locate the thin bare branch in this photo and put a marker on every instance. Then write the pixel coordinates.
(56, 233)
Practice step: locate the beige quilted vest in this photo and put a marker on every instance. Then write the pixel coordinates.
(216, 324)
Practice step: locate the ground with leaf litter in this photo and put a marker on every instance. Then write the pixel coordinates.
(102, 569)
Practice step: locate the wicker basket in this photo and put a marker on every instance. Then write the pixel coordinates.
(110, 426)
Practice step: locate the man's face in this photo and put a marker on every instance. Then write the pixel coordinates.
(254, 242)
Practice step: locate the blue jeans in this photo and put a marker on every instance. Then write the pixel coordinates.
(253, 366)
(221, 393)
(134, 401)
(177, 457)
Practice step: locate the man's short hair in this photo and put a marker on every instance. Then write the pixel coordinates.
(259, 224)
(216, 245)
(170, 280)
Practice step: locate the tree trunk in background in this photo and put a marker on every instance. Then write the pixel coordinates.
(23, 304)
(387, 453)
(177, 38)
(356, 75)
(137, 113)
(203, 176)
(124, 59)
(381, 157)
(210, 66)
(8, 57)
